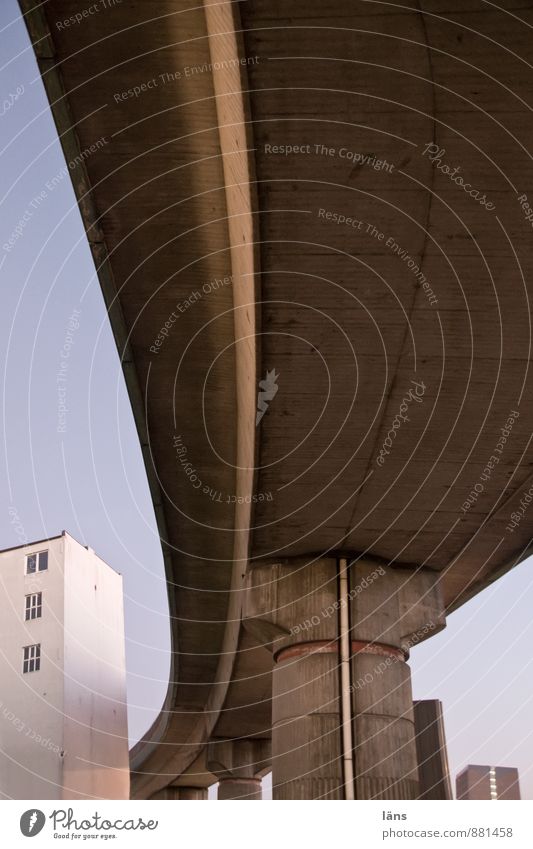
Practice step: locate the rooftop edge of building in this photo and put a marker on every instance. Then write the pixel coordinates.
(63, 533)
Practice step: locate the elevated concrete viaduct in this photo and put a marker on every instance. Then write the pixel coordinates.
(309, 221)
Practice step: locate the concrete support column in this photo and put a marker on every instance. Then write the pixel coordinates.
(181, 793)
(391, 611)
(239, 788)
(293, 608)
(239, 765)
(284, 610)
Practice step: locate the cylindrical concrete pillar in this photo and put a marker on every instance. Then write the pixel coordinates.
(306, 756)
(391, 610)
(239, 788)
(384, 738)
(238, 765)
(293, 608)
(181, 793)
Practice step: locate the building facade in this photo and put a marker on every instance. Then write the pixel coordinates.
(63, 720)
(488, 782)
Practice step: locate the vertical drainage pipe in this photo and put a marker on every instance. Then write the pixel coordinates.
(346, 701)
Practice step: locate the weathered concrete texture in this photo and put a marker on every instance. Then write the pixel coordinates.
(294, 607)
(188, 794)
(342, 311)
(391, 610)
(240, 788)
(306, 755)
(239, 765)
(285, 597)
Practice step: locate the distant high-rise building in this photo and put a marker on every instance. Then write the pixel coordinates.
(433, 771)
(488, 782)
(63, 723)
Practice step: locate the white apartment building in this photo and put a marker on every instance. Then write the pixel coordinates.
(63, 721)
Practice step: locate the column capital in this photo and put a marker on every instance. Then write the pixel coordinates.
(395, 606)
(294, 601)
(290, 601)
(239, 765)
(238, 759)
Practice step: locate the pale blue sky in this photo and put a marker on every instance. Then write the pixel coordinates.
(90, 479)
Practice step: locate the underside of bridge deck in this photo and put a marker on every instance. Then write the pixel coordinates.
(306, 222)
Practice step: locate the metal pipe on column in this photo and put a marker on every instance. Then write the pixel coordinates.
(345, 676)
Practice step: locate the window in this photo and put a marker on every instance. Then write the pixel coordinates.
(37, 562)
(32, 658)
(34, 606)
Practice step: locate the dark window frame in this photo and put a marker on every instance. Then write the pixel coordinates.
(31, 658)
(33, 610)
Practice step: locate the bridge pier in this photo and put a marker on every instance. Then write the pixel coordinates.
(173, 792)
(239, 765)
(342, 710)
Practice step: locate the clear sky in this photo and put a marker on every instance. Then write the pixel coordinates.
(90, 479)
